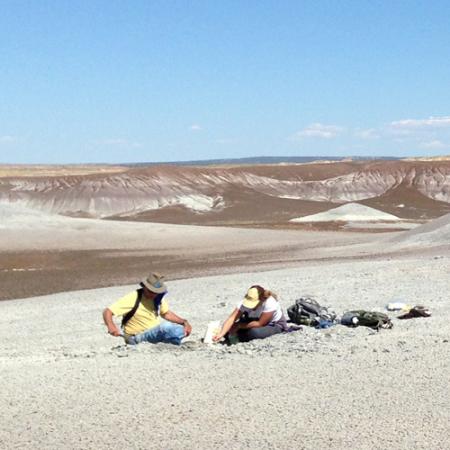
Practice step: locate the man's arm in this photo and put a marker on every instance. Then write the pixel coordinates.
(172, 317)
(108, 319)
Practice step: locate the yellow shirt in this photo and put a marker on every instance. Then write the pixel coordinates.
(145, 316)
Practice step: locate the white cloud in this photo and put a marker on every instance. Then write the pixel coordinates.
(428, 133)
(6, 139)
(369, 133)
(319, 130)
(195, 127)
(418, 124)
(435, 144)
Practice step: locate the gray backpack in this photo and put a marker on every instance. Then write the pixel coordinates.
(307, 311)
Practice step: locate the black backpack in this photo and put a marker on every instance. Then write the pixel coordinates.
(307, 311)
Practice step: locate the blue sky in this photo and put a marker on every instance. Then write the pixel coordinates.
(116, 81)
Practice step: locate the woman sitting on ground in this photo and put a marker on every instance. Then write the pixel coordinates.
(257, 316)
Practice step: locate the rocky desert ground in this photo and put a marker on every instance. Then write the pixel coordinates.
(68, 384)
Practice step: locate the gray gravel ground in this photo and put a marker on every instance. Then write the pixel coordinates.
(66, 384)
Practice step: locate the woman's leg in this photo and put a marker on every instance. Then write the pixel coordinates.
(258, 333)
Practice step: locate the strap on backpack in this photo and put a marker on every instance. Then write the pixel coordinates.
(133, 310)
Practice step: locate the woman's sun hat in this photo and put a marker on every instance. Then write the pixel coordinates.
(154, 282)
(251, 299)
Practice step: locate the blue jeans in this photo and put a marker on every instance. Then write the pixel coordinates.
(167, 332)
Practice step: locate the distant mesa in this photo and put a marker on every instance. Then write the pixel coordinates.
(429, 158)
(351, 212)
(265, 160)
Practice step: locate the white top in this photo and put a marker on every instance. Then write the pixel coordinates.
(270, 305)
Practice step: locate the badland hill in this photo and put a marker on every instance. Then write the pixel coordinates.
(230, 194)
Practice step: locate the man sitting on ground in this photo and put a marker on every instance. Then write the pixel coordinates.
(140, 311)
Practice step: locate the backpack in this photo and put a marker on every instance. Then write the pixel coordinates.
(371, 319)
(140, 292)
(307, 311)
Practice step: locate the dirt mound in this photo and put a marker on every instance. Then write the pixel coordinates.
(436, 232)
(351, 212)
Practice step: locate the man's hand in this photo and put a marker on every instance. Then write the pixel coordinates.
(187, 328)
(110, 325)
(114, 331)
(172, 317)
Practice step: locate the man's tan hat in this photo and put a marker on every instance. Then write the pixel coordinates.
(154, 282)
(251, 299)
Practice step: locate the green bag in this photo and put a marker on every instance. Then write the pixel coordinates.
(371, 319)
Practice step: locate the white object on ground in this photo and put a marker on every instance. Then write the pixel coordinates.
(212, 330)
(398, 306)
